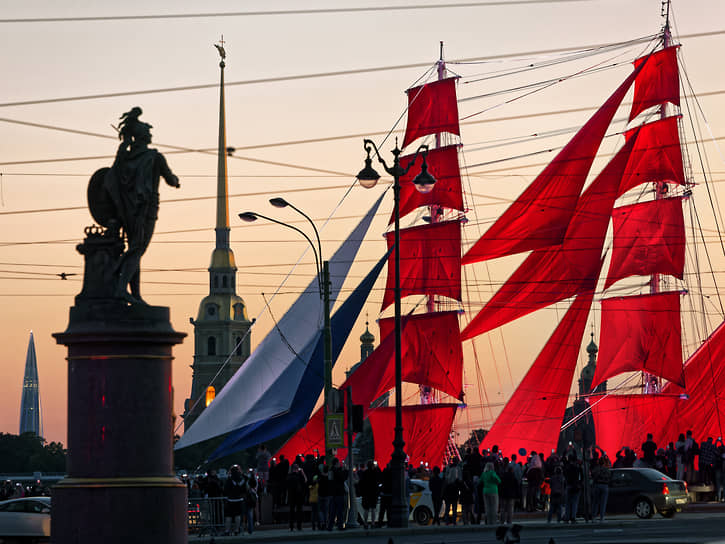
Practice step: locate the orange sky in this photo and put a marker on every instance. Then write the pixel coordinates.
(45, 171)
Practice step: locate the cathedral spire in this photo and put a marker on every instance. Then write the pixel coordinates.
(222, 339)
(222, 206)
(222, 271)
(30, 416)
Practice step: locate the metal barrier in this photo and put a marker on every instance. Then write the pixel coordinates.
(206, 516)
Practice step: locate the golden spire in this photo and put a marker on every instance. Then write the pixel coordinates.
(222, 205)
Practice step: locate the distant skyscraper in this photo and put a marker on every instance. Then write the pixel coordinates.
(31, 420)
(221, 329)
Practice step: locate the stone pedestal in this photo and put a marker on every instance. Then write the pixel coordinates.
(120, 486)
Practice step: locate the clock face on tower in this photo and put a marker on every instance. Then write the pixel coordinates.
(211, 310)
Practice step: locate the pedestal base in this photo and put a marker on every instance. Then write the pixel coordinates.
(119, 511)
(120, 487)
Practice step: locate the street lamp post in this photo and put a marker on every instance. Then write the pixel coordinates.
(368, 177)
(323, 272)
(323, 278)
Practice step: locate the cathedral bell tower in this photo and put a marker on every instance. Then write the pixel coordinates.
(587, 375)
(221, 328)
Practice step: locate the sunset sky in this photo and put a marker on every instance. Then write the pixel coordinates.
(67, 81)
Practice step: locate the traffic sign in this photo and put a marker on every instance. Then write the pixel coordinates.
(335, 427)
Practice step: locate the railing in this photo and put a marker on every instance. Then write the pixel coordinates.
(206, 516)
(50, 477)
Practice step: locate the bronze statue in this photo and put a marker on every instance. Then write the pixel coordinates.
(127, 196)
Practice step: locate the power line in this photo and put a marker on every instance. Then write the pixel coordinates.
(210, 150)
(550, 150)
(190, 199)
(309, 11)
(212, 177)
(177, 151)
(279, 79)
(336, 187)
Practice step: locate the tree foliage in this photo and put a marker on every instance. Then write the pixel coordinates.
(30, 453)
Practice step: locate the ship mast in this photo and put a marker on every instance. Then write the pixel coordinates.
(436, 211)
(650, 382)
(427, 395)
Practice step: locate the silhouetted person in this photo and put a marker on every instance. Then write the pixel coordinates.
(436, 490)
(369, 490)
(649, 449)
(296, 491)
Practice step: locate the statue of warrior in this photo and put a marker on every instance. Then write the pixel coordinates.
(127, 195)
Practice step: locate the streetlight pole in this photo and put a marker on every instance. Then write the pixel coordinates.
(424, 182)
(327, 339)
(323, 279)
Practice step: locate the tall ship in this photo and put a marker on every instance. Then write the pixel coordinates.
(607, 236)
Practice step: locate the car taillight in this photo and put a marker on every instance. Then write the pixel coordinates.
(665, 489)
(685, 486)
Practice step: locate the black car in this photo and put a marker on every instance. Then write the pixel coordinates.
(645, 491)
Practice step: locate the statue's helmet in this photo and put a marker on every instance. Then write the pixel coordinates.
(141, 132)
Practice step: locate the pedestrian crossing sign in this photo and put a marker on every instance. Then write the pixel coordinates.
(335, 425)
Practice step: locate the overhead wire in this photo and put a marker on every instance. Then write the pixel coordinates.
(323, 139)
(564, 57)
(539, 87)
(316, 75)
(301, 11)
(213, 151)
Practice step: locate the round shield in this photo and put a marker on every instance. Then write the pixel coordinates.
(100, 203)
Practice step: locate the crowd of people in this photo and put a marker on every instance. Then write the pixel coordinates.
(480, 487)
(18, 490)
(685, 459)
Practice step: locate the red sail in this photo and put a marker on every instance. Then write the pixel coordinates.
(641, 333)
(657, 156)
(431, 350)
(443, 166)
(552, 274)
(431, 354)
(425, 432)
(532, 417)
(540, 217)
(625, 420)
(309, 439)
(658, 82)
(430, 261)
(365, 380)
(703, 410)
(432, 108)
(649, 238)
